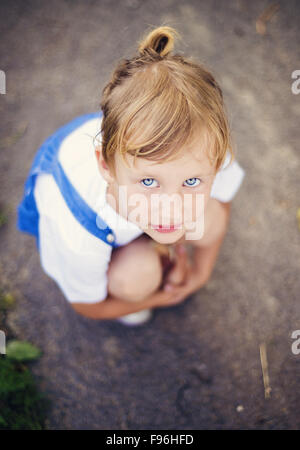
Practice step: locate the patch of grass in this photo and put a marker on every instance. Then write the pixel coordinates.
(22, 406)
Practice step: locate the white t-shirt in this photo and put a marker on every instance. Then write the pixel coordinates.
(72, 256)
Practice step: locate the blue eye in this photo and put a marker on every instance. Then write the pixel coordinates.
(193, 181)
(148, 182)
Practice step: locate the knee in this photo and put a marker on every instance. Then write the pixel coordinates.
(136, 271)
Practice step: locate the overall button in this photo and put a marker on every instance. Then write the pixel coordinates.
(110, 237)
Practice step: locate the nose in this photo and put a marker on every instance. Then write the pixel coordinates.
(167, 209)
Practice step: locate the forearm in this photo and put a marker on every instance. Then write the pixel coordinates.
(205, 254)
(111, 308)
(204, 259)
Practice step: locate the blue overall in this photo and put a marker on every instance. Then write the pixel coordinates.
(46, 161)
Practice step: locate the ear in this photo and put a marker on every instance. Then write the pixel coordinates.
(102, 166)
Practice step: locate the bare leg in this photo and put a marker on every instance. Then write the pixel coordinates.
(135, 270)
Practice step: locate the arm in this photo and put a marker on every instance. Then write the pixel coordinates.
(111, 307)
(205, 253)
(207, 250)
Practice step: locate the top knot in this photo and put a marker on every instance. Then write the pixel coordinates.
(159, 41)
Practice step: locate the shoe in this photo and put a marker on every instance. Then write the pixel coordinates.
(137, 318)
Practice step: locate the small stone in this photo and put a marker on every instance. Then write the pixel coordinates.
(202, 372)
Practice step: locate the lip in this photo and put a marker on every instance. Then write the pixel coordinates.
(162, 229)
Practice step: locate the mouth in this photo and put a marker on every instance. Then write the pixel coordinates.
(166, 229)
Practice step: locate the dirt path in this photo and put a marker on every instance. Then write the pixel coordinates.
(196, 365)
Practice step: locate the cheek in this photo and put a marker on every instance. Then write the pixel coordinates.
(138, 206)
(194, 205)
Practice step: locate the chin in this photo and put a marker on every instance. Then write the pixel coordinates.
(165, 238)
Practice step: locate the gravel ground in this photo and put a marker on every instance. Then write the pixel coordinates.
(196, 365)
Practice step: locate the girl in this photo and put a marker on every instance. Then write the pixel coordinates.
(162, 131)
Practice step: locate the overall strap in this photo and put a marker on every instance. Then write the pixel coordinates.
(46, 161)
(81, 210)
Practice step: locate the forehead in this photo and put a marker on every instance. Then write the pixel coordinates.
(191, 159)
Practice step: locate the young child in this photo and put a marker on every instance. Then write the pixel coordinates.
(162, 131)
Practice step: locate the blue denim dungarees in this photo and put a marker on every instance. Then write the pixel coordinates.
(46, 161)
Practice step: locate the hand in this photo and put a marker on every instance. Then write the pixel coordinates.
(192, 283)
(179, 282)
(162, 298)
(184, 278)
(178, 272)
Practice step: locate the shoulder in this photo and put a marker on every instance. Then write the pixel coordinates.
(227, 181)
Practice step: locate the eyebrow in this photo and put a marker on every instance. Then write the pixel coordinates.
(157, 177)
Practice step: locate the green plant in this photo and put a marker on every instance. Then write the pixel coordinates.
(22, 350)
(22, 406)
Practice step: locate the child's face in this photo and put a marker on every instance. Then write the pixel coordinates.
(182, 187)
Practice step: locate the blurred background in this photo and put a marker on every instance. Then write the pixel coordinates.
(223, 359)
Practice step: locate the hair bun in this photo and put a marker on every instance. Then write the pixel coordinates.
(159, 41)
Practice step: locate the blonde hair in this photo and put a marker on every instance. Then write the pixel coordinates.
(157, 102)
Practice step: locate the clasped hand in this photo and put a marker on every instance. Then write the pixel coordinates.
(182, 280)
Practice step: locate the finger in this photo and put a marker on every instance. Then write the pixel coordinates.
(168, 287)
(181, 249)
(178, 272)
(176, 250)
(171, 288)
(181, 254)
